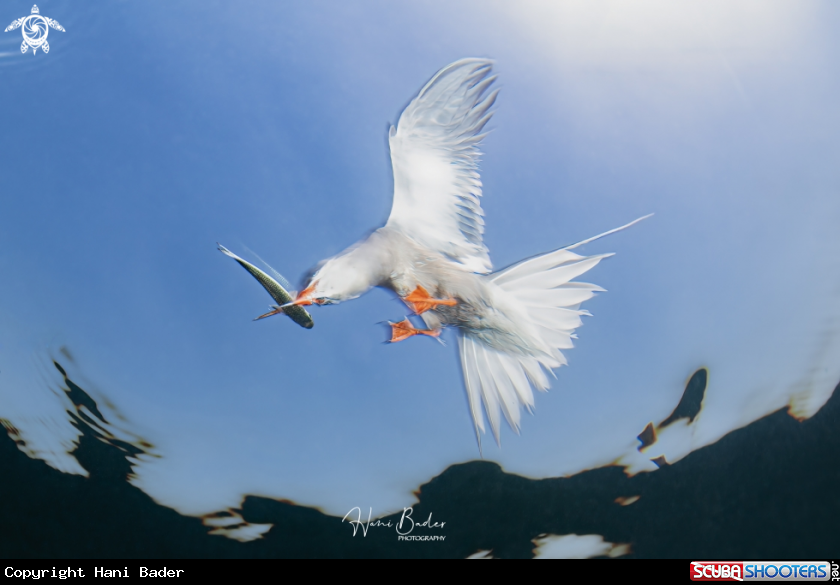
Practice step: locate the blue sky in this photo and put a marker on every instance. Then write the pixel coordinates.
(153, 130)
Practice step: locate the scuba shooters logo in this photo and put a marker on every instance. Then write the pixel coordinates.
(763, 571)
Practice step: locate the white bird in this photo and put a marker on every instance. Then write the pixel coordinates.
(513, 324)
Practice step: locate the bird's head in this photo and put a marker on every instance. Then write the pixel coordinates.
(339, 279)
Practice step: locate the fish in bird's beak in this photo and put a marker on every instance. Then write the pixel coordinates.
(282, 297)
(305, 297)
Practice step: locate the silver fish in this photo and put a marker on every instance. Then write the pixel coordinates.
(296, 313)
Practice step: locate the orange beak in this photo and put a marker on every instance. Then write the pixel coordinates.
(305, 296)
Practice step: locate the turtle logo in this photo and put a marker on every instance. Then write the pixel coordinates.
(35, 29)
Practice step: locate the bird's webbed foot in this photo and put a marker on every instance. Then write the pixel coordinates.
(421, 301)
(404, 329)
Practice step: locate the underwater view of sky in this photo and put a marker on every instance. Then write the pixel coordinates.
(152, 130)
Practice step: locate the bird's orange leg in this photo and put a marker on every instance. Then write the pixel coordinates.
(421, 301)
(404, 330)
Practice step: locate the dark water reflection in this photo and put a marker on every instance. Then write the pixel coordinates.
(768, 490)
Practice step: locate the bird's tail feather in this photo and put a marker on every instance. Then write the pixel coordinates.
(542, 287)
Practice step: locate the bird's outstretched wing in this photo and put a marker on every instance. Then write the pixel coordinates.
(15, 24)
(434, 153)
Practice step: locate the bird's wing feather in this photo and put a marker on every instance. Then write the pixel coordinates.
(434, 153)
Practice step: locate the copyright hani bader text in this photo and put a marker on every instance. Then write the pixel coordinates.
(71, 573)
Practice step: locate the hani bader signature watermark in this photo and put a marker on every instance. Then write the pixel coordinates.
(35, 29)
(404, 527)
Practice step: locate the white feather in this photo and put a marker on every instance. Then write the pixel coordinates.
(559, 275)
(471, 382)
(434, 154)
(487, 387)
(519, 381)
(548, 309)
(536, 265)
(505, 389)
